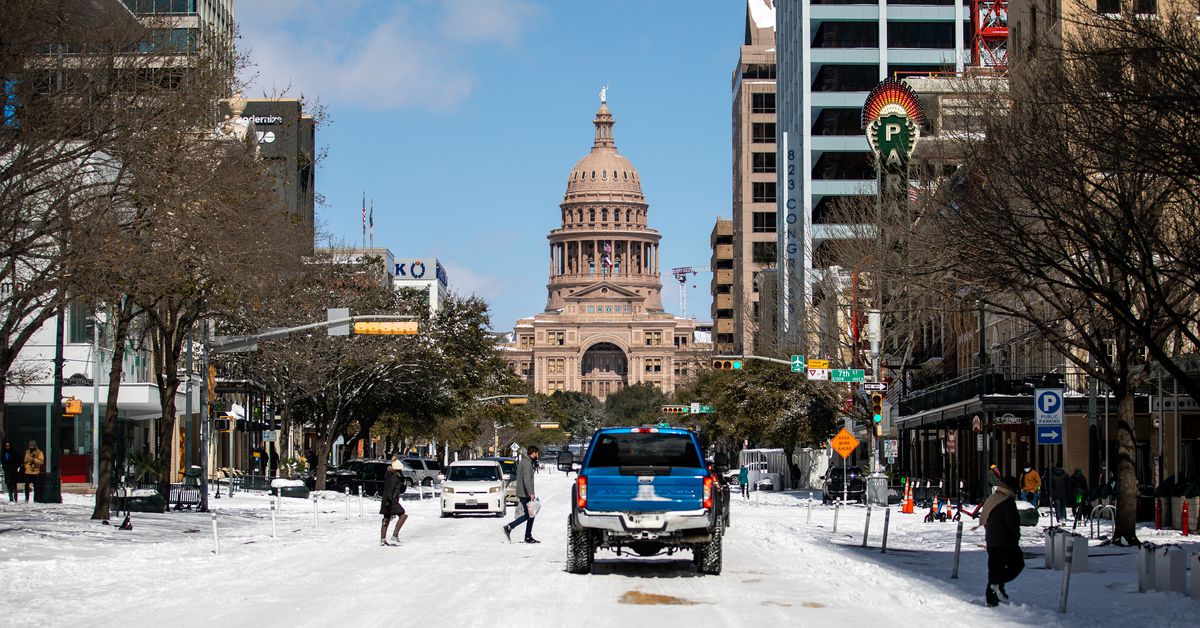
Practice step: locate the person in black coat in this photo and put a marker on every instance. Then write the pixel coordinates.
(10, 463)
(273, 460)
(1060, 490)
(1080, 499)
(1003, 537)
(389, 505)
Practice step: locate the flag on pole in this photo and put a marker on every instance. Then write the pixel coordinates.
(371, 223)
(364, 217)
(607, 257)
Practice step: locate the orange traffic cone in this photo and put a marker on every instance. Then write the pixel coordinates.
(908, 498)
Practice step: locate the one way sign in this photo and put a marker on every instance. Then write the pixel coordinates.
(1050, 435)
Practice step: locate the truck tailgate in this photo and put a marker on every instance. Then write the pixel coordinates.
(611, 490)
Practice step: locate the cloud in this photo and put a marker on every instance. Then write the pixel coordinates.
(463, 280)
(376, 55)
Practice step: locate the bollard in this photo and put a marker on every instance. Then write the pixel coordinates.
(1078, 552)
(1146, 569)
(957, 551)
(347, 503)
(808, 517)
(360, 502)
(1186, 518)
(278, 495)
(273, 506)
(1060, 549)
(887, 517)
(1049, 548)
(836, 507)
(1170, 569)
(1195, 577)
(314, 512)
(216, 539)
(867, 527)
(1066, 582)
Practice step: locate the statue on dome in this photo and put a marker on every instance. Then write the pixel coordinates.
(603, 94)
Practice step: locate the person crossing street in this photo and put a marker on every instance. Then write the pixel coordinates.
(389, 504)
(1002, 536)
(526, 495)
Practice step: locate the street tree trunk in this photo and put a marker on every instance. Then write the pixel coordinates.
(108, 431)
(324, 445)
(1127, 489)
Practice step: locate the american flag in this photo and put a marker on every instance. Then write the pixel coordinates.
(606, 259)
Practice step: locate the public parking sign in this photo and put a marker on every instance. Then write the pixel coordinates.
(1048, 406)
(1050, 434)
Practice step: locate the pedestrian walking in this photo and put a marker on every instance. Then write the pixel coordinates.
(273, 460)
(1031, 483)
(1060, 490)
(526, 495)
(32, 469)
(10, 464)
(744, 481)
(1002, 536)
(1079, 495)
(389, 505)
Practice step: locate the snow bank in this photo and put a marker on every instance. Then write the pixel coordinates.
(282, 483)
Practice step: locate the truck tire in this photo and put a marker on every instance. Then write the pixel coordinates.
(708, 556)
(579, 549)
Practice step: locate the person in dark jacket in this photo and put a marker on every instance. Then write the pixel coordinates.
(389, 504)
(1060, 490)
(10, 464)
(273, 460)
(525, 494)
(1079, 495)
(1003, 538)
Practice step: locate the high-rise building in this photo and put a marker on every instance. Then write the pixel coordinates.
(754, 158)
(721, 287)
(189, 25)
(830, 54)
(604, 327)
(287, 142)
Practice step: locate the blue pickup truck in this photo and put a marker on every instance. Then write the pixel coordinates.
(645, 490)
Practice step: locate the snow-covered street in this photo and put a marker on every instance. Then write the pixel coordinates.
(58, 568)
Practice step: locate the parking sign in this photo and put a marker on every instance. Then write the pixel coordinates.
(1048, 406)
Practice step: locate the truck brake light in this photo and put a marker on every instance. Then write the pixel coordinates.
(581, 491)
(708, 491)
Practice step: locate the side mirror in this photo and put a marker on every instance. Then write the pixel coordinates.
(721, 462)
(565, 460)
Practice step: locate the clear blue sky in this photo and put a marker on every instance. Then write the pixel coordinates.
(462, 118)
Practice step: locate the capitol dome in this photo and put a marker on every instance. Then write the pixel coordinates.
(603, 172)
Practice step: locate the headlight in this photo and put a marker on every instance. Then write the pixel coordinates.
(494, 489)
(447, 489)
(441, 477)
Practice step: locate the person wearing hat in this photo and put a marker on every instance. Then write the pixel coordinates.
(1002, 535)
(34, 459)
(389, 505)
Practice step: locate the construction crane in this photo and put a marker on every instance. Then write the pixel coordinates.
(681, 275)
(989, 23)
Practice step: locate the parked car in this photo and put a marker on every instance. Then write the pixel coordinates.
(428, 471)
(473, 486)
(509, 467)
(367, 474)
(856, 486)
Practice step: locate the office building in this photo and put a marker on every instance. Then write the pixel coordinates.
(721, 286)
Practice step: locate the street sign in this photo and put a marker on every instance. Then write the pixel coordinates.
(952, 443)
(269, 436)
(875, 387)
(515, 448)
(1048, 406)
(1050, 435)
(848, 375)
(704, 410)
(979, 442)
(818, 364)
(818, 375)
(891, 447)
(798, 364)
(844, 443)
(695, 408)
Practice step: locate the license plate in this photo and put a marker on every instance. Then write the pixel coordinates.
(472, 502)
(645, 521)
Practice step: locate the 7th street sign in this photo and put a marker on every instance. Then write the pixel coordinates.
(848, 375)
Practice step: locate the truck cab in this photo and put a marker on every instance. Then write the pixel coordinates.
(646, 490)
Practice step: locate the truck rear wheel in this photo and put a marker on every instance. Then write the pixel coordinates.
(708, 556)
(579, 549)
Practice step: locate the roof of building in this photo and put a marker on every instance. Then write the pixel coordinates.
(604, 170)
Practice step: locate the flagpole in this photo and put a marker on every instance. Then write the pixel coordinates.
(371, 222)
(364, 218)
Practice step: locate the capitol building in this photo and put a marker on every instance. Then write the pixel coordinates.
(604, 326)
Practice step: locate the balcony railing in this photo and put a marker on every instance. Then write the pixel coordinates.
(999, 381)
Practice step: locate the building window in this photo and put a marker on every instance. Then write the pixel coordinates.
(762, 132)
(79, 323)
(556, 338)
(526, 341)
(763, 222)
(763, 163)
(724, 314)
(1145, 7)
(653, 338)
(553, 386)
(653, 365)
(681, 370)
(1108, 6)
(759, 71)
(754, 281)
(526, 370)
(763, 191)
(556, 366)
(762, 103)
(681, 342)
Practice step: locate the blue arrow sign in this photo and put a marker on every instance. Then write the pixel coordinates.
(1049, 435)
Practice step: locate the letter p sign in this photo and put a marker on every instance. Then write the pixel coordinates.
(889, 130)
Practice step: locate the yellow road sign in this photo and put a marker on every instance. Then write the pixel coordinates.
(818, 364)
(844, 443)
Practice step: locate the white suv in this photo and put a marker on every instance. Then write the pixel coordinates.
(473, 486)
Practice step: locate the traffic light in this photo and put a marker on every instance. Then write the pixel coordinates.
(517, 401)
(386, 328)
(675, 409)
(72, 407)
(727, 365)
(877, 407)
